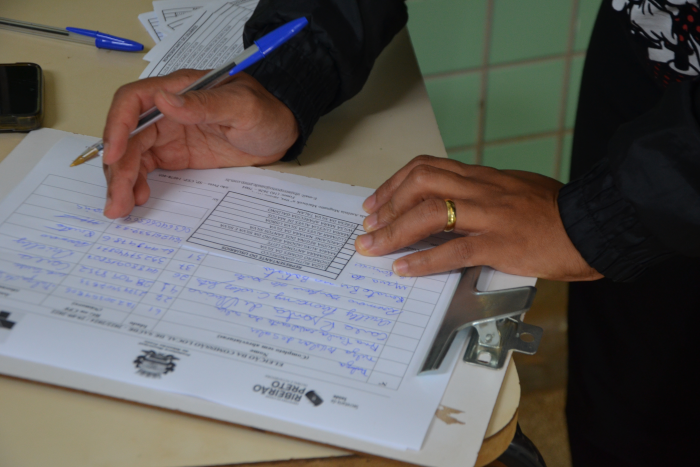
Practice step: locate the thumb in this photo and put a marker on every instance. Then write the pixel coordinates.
(196, 107)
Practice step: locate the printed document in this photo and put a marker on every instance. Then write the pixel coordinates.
(227, 285)
(150, 23)
(204, 38)
(173, 14)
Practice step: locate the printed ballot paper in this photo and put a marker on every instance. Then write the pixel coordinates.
(228, 285)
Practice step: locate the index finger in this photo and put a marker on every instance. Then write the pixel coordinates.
(130, 101)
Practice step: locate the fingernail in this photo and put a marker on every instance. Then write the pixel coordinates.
(371, 222)
(173, 99)
(108, 203)
(105, 149)
(369, 203)
(400, 267)
(364, 242)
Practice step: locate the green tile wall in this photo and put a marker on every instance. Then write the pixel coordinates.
(467, 156)
(455, 100)
(458, 23)
(525, 56)
(587, 12)
(523, 99)
(524, 29)
(535, 155)
(574, 85)
(566, 162)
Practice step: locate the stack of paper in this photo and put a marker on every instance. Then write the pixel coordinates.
(197, 34)
(228, 285)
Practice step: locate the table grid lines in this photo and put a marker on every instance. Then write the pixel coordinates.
(134, 273)
(320, 256)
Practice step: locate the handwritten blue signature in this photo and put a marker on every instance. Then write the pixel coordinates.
(53, 251)
(31, 282)
(51, 263)
(369, 293)
(75, 243)
(67, 228)
(85, 220)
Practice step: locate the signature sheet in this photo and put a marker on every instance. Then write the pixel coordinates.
(227, 285)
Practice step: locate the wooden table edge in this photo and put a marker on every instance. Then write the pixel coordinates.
(490, 450)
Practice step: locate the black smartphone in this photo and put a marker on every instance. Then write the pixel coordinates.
(21, 96)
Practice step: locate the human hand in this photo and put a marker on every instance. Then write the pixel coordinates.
(237, 124)
(510, 221)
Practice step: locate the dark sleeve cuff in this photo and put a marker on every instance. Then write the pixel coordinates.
(329, 61)
(605, 228)
(302, 78)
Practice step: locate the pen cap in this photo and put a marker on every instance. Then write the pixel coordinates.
(122, 46)
(107, 41)
(279, 36)
(270, 42)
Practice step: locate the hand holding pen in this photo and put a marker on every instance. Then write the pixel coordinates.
(238, 123)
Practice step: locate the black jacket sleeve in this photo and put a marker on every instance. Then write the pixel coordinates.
(641, 204)
(329, 61)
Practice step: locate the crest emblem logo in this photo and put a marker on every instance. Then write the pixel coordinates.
(8, 320)
(5, 320)
(314, 398)
(153, 364)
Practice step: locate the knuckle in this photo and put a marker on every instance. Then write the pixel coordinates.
(201, 98)
(486, 174)
(129, 176)
(422, 175)
(185, 72)
(423, 159)
(387, 188)
(199, 104)
(123, 91)
(180, 76)
(390, 234)
(462, 248)
(124, 127)
(433, 209)
(387, 212)
(250, 104)
(421, 261)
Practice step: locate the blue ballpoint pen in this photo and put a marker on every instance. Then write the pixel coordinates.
(256, 52)
(83, 36)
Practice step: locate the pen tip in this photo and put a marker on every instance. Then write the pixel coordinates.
(90, 153)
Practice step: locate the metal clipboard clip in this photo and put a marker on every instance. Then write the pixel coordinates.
(495, 316)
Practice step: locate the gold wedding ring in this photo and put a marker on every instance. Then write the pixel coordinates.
(451, 215)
